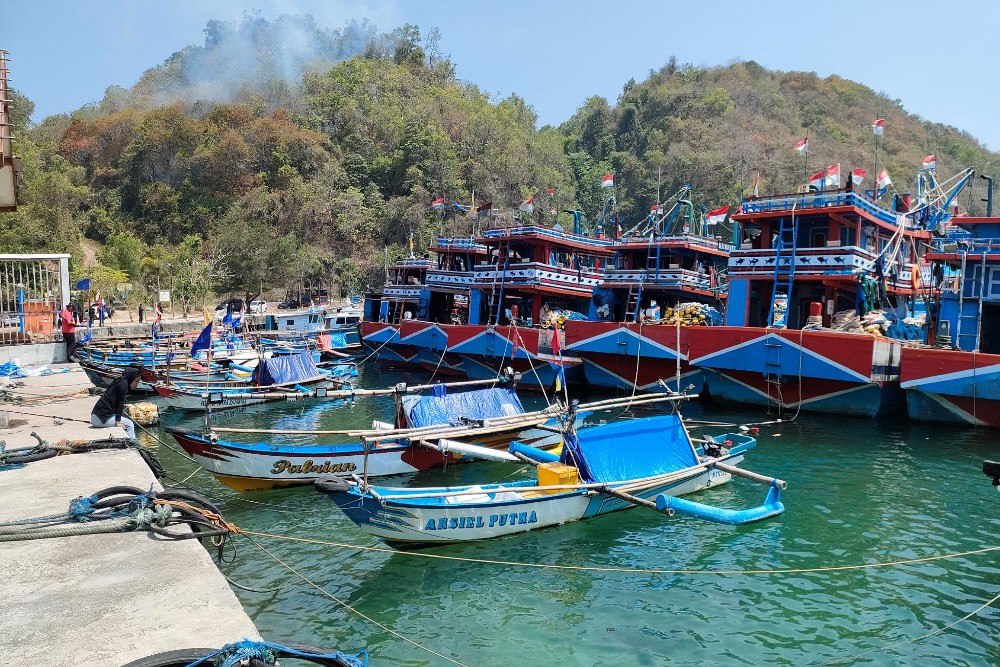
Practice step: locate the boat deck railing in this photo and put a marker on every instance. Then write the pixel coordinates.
(683, 239)
(666, 277)
(459, 244)
(545, 232)
(968, 245)
(813, 200)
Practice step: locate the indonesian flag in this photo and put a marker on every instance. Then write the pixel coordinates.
(883, 180)
(878, 127)
(716, 216)
(930, 162)
(438, 204)
(756, 183)
(833, 175)
(607, 181)
(528, 205)
(802, 146)
(656, 209)
(858, 175)
(818, 179)
(551, 191)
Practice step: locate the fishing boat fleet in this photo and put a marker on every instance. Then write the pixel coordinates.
(828, 300)
(822, 300)
(580, 470)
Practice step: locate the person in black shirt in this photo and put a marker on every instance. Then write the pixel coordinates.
(109, 408)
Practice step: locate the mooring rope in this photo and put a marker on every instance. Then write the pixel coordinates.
(627, 570)
(348, 607)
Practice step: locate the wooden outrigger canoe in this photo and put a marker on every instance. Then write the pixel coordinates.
(645, 462)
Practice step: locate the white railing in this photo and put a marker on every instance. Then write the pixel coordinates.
(33, 291)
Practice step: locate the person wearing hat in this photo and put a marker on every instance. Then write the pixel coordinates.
(109, 408)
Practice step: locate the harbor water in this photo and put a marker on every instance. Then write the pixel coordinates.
(638, 587)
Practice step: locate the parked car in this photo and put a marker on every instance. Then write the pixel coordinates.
(288, 304)
(258, 306)
(228, 306)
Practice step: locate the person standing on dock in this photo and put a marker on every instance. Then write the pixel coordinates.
(142, 312)
(68, 327)
(109, 408)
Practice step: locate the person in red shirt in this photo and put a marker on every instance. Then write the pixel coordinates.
(68, 326)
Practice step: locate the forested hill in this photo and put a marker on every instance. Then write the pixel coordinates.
(245, 164)
(721, 128)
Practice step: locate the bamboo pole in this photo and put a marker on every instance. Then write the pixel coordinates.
(763, 479)
(514, 420)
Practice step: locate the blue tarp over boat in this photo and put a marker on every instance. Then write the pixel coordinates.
(286, 369)
(630, 449)
(450, 408)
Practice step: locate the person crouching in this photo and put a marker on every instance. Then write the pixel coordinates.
(109, 408)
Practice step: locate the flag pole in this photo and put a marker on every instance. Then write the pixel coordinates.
(875, 169)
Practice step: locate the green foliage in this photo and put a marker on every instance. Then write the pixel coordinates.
(219, 171)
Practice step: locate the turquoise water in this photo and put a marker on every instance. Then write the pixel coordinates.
(859, 492)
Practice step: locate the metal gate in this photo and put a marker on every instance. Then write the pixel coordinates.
(33, 290)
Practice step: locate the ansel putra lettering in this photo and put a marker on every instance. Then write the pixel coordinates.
(451, 523)
(307, 468)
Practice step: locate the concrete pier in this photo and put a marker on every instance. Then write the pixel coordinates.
(97, 599)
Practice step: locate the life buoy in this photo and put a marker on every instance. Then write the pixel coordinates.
(915, 281)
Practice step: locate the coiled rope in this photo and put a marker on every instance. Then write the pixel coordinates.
(267, 653)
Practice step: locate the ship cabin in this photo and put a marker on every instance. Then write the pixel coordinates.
(966, 272)
(404, 295)
(661, 271)
(836, 248)
(451, 281)
(530, 271)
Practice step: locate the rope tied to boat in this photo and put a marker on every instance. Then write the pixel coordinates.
(249, 652)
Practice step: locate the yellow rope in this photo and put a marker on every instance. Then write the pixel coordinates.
(344, 604)
(626, 570)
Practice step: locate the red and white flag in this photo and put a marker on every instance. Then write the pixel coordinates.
(715, 216)
(802, 146)
(438, 204)
(607, 181)
(930, 162)
(551, 191)
(883, 180)
(528, 205)
(833, 175)
(818, 180)
(756, 183)
(878, 127)
(858, 175)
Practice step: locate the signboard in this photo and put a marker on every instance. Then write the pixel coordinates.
(164, 295)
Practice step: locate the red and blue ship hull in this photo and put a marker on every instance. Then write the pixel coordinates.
(952, 386)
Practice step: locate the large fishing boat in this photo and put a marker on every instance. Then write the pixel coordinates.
(806, 263)
(958, 380)
(404, 296)
(669, 274)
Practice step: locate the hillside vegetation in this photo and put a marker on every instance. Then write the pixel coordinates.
(243, 165)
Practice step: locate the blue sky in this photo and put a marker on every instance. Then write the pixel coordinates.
(555, 53)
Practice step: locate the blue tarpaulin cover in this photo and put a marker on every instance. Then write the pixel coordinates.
(338, 340)
(448, 409)
(284, 369)
(630, 449)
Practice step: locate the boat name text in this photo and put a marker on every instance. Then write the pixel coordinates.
(452, 523)
(307, 468)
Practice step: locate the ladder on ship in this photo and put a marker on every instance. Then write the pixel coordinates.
(495, 302)
(632, 309)
(977, 318)
(784, 266)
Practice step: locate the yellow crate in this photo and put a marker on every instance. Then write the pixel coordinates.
(553, 474)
